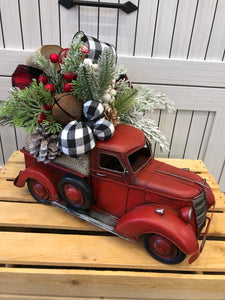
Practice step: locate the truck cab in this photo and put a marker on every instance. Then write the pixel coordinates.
(130, 194)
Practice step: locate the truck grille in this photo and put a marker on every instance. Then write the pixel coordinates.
(200, 210)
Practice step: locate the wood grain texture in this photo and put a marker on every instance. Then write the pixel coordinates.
(111, 284)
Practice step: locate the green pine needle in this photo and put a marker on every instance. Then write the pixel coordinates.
(125, 101)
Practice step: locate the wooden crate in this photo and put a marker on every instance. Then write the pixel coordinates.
(46, 253)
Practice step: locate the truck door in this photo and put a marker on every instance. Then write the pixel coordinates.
(109, 184)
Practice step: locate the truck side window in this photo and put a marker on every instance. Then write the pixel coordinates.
(110, 162)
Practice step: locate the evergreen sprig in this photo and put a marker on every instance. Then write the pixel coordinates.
(48, 68)
(106, 71)
(124, 101)
(74, 57)
(86, 86)
(92, 84)
(24, 108)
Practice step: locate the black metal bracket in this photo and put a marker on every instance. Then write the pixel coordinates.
(127, 7)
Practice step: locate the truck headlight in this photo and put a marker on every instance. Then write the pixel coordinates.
(185, 214)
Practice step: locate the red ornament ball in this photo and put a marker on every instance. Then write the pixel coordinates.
(69, 76)
(54, 58)
(49, 87)
(43, 79)
(68, 87)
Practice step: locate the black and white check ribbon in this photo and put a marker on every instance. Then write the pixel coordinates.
(78, 138)
(95, 47)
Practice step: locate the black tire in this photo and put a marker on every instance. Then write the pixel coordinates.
(163, 249)
(75, 192)
(38, 191)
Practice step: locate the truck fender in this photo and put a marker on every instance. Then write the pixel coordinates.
(40, 174)
(153, 219)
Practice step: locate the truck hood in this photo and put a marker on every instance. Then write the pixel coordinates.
(170, 181)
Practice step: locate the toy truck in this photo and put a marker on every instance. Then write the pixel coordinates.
(129, 193)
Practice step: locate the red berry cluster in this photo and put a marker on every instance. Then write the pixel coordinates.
(42, 116)
(69, 76)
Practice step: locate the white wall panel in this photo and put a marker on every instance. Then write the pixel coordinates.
(50, 22)
(30, 24)
(164, 28)
(10, 15)
(166, 126)
(69, 21)
(217, 40)
(183, 28)
(202, 29)
(89, 20)
(108, 23)
(180, 134)
(146, 27)
(196, 132)
(126, 31)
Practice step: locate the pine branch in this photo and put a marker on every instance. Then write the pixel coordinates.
(86, 85)
(74, 57)
(25, 107)
(106, 71)
(48, 67)
(125, 101)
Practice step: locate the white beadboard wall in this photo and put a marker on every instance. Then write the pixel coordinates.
(173, 46)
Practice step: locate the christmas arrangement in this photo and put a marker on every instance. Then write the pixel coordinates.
(68, 98)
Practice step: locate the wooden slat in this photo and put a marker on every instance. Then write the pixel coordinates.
(96, 252)
(195, 165)
(111, 284)
(32, 215)
(35, 215)
(10, 193)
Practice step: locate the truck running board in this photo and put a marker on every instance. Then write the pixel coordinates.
(94, 217)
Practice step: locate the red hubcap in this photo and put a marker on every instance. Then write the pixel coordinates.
(162, 247)
(73, 194)
(39, 190)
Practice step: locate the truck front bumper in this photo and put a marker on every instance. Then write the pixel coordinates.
(198, 252)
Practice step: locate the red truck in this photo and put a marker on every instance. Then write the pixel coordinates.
(129, 193)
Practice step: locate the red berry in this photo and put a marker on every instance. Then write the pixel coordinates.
(41, 118)
(54, 58)
(69, 76)
(47, 106)
(68, 87)
(43, 79)
(84, 49)
(49, 87)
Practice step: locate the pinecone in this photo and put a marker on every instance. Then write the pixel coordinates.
(111, 115)
(43, 145)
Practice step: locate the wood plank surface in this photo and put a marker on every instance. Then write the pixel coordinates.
(41, 242)
(47, 249)
(35, 215)
(110, 284)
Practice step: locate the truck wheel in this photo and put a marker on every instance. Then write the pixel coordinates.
(38, 191)
(163, 249)
(75, 192)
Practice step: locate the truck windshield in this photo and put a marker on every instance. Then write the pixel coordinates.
(138, 158)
